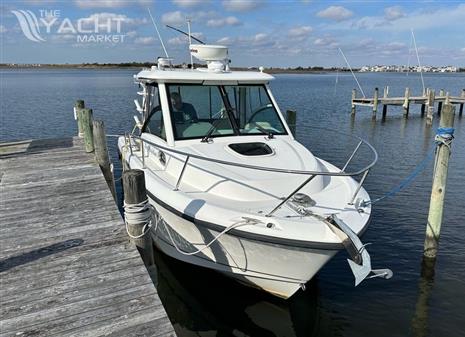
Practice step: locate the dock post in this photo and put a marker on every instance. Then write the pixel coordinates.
(77, 106)
(461, 104)
(385, 95)
(375, 103)
(85, 116)
(354, 94)
(406, 104)
(430, 104)
(138, 213)
(291, 117)
(443, 151)
(101, 155)
(441, 94)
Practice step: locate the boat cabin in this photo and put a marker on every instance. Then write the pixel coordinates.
(201, 105)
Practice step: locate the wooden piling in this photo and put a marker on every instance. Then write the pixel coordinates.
(433, 227)
(79, 104)
(441, 94)
(291, 117)
(430, 105)
(354, 95)
(461, 104)
(375, 103)
(135, 194)
(101, 155)
(85, 116)
(406, 104)
(385, 95)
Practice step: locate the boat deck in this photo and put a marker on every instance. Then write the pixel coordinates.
(67, 267)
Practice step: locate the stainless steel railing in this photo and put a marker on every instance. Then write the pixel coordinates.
(364, 171)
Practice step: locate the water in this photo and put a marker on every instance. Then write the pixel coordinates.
(38, 104)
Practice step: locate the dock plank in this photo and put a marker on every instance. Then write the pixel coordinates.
(67, 267)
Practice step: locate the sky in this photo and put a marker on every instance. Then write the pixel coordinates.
(258, 33)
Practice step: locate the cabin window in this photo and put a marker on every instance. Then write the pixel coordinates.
(254, 110)
(154, 122)
(198, 110)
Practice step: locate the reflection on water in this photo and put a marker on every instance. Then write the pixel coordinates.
(202, 302)
(425, 286)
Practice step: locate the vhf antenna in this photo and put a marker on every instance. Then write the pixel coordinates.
(159, 36)
(188, 35)
(190, 42)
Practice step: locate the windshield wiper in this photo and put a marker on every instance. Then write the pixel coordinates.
(267, 132)
(207, 137)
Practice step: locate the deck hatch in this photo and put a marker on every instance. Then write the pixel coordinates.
(251, 149)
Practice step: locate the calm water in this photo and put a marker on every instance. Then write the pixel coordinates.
(38, 104)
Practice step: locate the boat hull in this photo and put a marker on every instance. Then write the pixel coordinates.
(280, 269)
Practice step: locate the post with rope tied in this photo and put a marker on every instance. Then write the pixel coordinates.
(138, 214)
(444, 139)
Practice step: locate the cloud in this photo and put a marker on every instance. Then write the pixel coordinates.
(227, 41)
(131, 33)
(183, 40)
(115, 20)
(221, 22)
(393, 13)
(301, 31)
(85, 4)
(173, 18)
(418, 20)
(2, 29)
(326, 42)
(145, 40)
(190, 3)
(241, 5)
(337, 13)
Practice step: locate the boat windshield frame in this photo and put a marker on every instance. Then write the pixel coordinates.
(230, 111)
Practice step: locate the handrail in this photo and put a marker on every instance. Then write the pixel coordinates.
(269, 169)
(312, 174)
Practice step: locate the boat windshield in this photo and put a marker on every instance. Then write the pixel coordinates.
(199, 111)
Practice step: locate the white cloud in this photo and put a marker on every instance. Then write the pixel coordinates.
(337, 13)
(145, 40)
(190, 3)
(393, 13)
(301, 31)
(221, 22)
(183, 40)
(418, 20)
(463, 50)
(132, 33)
(173, 18)
(116, 21)
(2, 29)
(227, 40)
(85, 4)
(327, 42)
(241, 5)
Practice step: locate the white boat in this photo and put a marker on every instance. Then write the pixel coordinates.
(231, 188)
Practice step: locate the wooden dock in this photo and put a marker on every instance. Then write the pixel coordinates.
(67, 267)
(427, 101)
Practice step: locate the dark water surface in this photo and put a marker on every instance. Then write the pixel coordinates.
(38, 104)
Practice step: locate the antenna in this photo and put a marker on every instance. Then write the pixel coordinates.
(182, 32)
(159, 36)
(418, 59)
(190, 41)
(350, 68)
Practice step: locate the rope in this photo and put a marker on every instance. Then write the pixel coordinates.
(138, 214)
(444, 136)
(243, 222)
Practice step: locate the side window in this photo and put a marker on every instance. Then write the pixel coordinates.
(154, 123)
